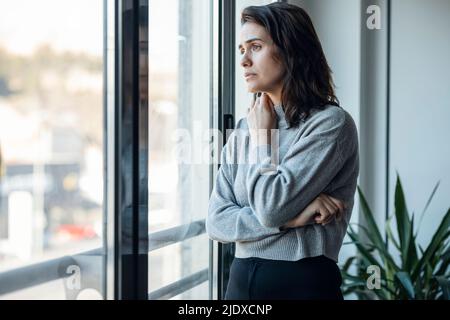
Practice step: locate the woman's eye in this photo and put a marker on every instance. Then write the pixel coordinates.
(254, 48)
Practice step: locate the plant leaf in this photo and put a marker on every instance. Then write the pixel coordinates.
(406, 283)
(390, 235)
(372, 231)
(369, 218)
(362, 249)
(426, 205)
(348, 263)
(445, 286)
(404, 226)
(381, 247)
(445, 263)
(439, 238)
(410, 259)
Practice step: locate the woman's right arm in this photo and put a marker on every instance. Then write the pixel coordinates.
(227, 221)
(322, 210)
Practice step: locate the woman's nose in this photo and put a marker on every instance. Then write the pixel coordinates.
(245, 61)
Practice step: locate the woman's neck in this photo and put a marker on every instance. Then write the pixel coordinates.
(275, 96)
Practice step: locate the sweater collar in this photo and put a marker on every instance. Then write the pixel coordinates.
(282, 123)
(281, 116)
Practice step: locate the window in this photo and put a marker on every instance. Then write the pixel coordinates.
(51, 145)
(179, 145)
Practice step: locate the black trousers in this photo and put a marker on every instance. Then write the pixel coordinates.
(317, 278)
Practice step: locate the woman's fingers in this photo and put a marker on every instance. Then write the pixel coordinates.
(338, 202)
(272, 108)
(254, 103)
(330, 204)
(262, 100)
(332, 209)
(324, 213)
(270, 102)
(342, 206)
(326, 209)
(329, 219)
(329, 212)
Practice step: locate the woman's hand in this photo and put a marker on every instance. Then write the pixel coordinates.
(321, 210)
(261, 118)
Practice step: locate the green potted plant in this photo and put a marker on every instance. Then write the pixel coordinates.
(406, 270)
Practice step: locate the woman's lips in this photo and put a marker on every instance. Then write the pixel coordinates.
(249, 75)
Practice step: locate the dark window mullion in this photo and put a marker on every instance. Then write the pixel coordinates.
(132, 148)
(226, 112)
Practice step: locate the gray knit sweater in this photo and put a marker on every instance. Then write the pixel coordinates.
(259, 189)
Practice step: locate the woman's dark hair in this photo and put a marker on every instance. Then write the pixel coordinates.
(308, 82)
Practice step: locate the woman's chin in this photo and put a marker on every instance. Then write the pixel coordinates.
(253, 89)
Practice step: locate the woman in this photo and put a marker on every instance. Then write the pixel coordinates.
(288, 217)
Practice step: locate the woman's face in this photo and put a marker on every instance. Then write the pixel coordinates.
(261, 71)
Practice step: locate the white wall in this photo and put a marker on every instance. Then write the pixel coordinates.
(420, 106)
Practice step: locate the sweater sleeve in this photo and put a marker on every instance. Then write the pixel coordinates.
(279, 193)
(227, 221)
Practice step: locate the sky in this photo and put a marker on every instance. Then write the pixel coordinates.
(75, 25)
